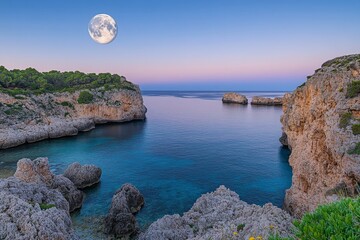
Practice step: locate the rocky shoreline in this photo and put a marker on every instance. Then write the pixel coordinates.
(28, 119)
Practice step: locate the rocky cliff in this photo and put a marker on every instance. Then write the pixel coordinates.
(27, 119)
(321, 122)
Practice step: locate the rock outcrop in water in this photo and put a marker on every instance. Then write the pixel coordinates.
(35, 203)
(83, 176)
(234, 98)
(277, 101)
(221, 215)
(38, 172)
(121, 219)
(321, 121)
(28, 119)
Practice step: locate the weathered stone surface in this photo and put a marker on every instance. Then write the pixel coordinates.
(67, 188)
(121, 220)
(44, 116)
(83, 176)
(38, 171)
(277, 101)
(283, 140)
(217, 215)
(234, 98)
(23, 215)
(320, 147)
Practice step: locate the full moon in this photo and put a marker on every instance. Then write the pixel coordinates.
(102, 29)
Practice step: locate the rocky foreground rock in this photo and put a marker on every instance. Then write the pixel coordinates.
(38, 172)
(321, 124)
(277, 101)
(36, 204)
(221, 215)
(234, 98)
(83, 176)
(28, 119)
(121, 219)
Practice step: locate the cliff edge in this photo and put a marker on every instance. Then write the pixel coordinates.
(35, 106)
(322, 123)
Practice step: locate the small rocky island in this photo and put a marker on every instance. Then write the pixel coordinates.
(35, 106)
(237, 98)
(234, 98)
(277, 101)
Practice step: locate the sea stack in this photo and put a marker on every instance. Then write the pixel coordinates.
(234, 98)
(277, 101)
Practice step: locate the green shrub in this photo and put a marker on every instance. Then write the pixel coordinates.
(301, 85)
(45, 206)
(240, 227)
(353, 89)
(85, 97)
(356, 129)
(30, 81)
(335, 221)
(345, 119)
(67, 104)
(356, 150)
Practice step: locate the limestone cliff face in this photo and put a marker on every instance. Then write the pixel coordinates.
(27, 119)
(318, 119)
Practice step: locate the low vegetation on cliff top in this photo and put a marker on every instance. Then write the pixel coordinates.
(336, 221)
(30, 81)
(353, 89)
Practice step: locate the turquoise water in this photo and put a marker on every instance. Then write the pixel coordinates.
(189, 145)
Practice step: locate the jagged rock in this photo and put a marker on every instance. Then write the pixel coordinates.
(321, 137)
(38, 171)
(284, 141)
(121, 220)
(23, 215)
(54, 115)
(277, 101)
(218, 215)
(83, 176)
(234, 98)
(67, 188)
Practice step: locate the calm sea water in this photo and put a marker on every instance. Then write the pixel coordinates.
(189, 145)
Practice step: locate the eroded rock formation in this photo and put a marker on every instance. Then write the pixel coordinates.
(33, 205)
(234, 98)
(221, 215)
(27, 119)
(38, 172)
(83, 176)
(277, 101)
(121, 220)
(318, 120)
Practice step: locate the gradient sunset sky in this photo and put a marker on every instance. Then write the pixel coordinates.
(183, 44)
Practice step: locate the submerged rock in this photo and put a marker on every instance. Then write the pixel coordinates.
(234, 98)
(221, 215)
(121, 220)
(267, 101)
(83, 176)
(38, 172)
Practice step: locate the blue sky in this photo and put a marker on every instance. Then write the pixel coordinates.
(184, 44)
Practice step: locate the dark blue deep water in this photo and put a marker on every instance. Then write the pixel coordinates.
(189, 145)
